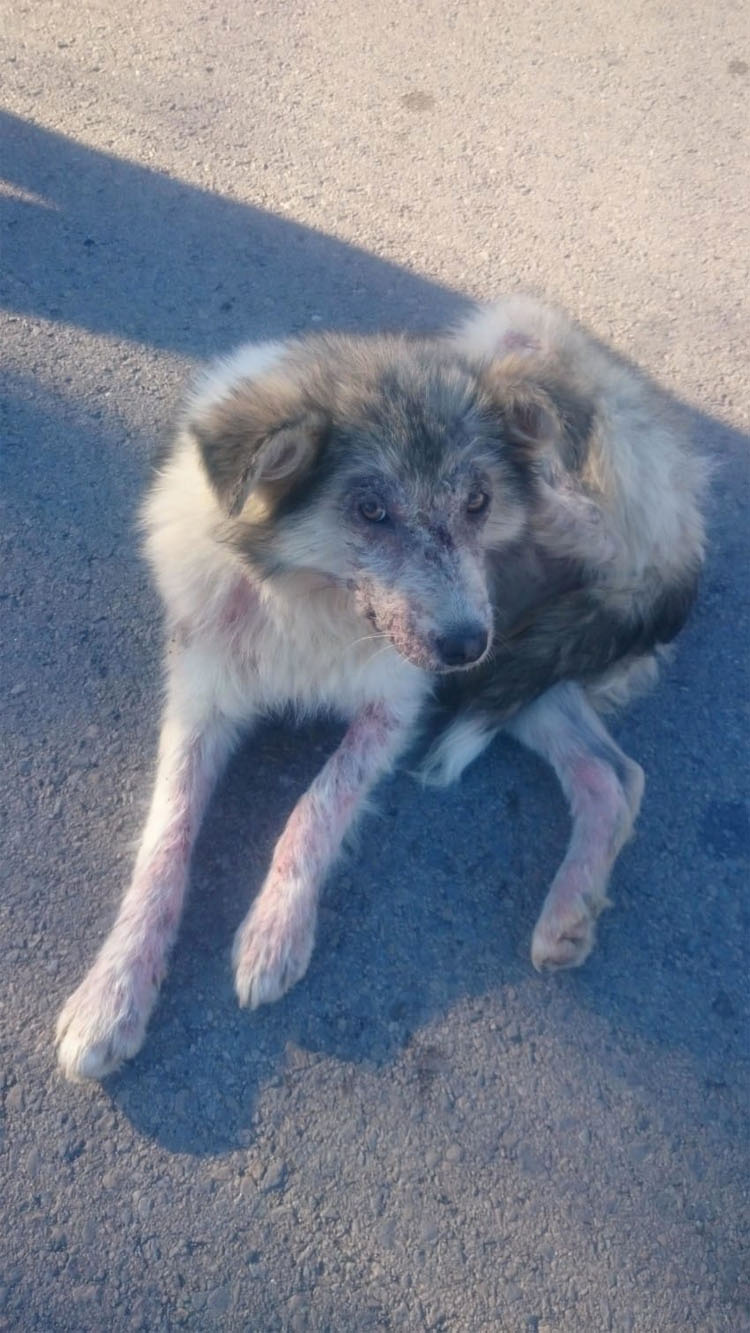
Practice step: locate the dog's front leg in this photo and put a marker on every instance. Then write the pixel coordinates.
(273, 945)
(104, 1021)
(604, 790)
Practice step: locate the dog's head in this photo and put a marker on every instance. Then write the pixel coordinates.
(393, 467)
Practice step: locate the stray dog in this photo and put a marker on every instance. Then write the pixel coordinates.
(504, 518)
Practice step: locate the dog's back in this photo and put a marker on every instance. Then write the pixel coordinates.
(641, 468)
(608, 568)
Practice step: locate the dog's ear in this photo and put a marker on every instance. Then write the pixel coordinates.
(546, 422)
(247, 441)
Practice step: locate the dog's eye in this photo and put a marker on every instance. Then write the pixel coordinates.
(372, 510)
(477, 502)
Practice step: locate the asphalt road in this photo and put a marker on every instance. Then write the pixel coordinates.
(424, 1135)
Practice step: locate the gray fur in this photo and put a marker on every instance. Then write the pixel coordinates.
(507, 517)
(417, 422)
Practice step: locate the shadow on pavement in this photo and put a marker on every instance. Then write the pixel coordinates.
(437, 903)
(118, 249)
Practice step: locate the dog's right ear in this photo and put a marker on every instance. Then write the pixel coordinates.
(544, 419)
(246, 442)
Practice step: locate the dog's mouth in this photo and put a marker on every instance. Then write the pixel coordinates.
(429, 659)
(459, 648)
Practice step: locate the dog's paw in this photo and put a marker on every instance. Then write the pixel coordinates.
(104, 1021)
(273, 946)
(566, 930)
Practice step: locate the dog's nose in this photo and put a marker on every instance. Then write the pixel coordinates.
(463, 645)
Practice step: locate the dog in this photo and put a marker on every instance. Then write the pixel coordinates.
(502, 521)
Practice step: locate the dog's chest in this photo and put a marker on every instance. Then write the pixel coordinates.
(305, 646)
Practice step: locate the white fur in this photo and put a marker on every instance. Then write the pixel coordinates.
(243, 364)
(302, 644)
(650, 482)
(238, 648)
(241, 647)
(459, 745)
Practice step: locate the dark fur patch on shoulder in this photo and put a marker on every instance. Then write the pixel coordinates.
(672, 608)
(577, 636)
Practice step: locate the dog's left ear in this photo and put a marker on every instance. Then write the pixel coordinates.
(544, 420)
(245, 446)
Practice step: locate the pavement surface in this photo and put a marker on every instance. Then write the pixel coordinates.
(424, 1135)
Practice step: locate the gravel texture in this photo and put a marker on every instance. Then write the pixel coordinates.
(424, 1135)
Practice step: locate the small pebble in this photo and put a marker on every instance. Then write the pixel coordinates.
(274, 1177)
(14, 1098)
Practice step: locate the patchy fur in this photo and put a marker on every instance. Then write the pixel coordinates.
(505, 518)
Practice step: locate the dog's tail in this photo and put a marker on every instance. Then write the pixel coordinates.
(467, 734)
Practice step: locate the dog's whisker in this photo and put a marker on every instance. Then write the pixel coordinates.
(367, 638)
(384, 649)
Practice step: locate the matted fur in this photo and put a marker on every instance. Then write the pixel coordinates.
(504, 519)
